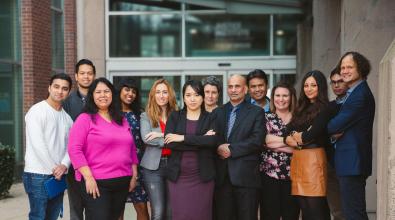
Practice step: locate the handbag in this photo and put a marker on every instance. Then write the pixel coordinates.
(55, 187)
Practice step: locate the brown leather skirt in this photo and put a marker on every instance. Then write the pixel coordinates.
(308, 172)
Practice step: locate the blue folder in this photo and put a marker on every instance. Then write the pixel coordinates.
(55, 187)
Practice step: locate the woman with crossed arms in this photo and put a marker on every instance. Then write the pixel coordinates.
(191, 169)
(161, 102)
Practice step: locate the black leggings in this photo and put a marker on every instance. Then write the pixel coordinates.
(276, 201)
(314, 208)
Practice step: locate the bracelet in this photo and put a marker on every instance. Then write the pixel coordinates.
(298, 146)
(285, 140)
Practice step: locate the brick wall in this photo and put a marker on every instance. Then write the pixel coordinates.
(36, 47)
(70, 36)
(36, 50)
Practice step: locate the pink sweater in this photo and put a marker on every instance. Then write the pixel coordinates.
(108, 149)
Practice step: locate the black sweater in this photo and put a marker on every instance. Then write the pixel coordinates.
(315, 132)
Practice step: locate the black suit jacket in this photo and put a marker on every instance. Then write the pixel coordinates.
(245, 141)
(204, 145)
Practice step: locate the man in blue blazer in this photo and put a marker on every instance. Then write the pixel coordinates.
(353, 124)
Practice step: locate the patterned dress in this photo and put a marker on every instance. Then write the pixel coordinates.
(138, 194)
(275, 164)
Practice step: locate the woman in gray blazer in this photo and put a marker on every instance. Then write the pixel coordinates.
(161, 101)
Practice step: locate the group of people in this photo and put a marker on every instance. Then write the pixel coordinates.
(282, 157)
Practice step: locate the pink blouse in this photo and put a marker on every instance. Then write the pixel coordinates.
(107, 148)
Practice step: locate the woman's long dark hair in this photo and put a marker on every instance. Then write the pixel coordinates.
(113, 109)
(135, 105)
(197, 86)
(306, 110)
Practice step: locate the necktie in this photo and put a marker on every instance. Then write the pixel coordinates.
(231, 121)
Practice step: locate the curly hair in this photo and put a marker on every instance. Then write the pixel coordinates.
(362, 63)
(213, 81)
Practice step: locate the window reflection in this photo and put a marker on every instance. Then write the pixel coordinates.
(285, 34)
(287, 78)
(57, 40)
(227, 35)
(9, 31)
(145, 36)
(143, 5)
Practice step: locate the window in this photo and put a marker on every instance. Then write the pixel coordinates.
(57, 30)
(284, 31)
(227, 35)
(152, 28)
(145, 35)
(11, 77)
(143, 5)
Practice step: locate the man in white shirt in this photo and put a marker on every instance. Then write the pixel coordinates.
(47, 128)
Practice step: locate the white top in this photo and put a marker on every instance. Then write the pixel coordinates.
(47, 132)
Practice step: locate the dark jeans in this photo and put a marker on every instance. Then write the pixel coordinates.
(234, 202)
(111, 202)
(41, 207)
(75, 198)
(276, 201)
(352, 190)
(155, 184)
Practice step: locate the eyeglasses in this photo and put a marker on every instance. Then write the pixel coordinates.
(336, 82)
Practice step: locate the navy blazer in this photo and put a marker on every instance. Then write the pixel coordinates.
(245, 139)
(353, 153)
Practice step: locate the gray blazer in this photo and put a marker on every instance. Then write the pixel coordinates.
(153, 150)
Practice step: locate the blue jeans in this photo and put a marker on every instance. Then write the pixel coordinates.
(156, 186)
(41, 207)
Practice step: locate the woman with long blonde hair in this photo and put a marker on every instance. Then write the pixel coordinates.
(161, 102)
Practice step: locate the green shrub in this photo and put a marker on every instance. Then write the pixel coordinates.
(7, 163)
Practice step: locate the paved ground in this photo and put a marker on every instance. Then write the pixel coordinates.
(16, 206)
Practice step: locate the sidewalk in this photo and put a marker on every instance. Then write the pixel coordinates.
(16, 206)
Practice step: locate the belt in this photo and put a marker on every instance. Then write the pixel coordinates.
(308, 146)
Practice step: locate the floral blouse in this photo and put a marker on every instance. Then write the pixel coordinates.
(275, 164)
(134, 124)
(138, 194)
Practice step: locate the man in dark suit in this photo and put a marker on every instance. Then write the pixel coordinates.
(339, 88)
(353, 149)
(240, 129)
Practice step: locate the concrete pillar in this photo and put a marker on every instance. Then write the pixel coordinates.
(386, 136)
(91, 33)
(326, 41)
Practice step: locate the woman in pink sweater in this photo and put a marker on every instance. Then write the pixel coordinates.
(103, 154)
